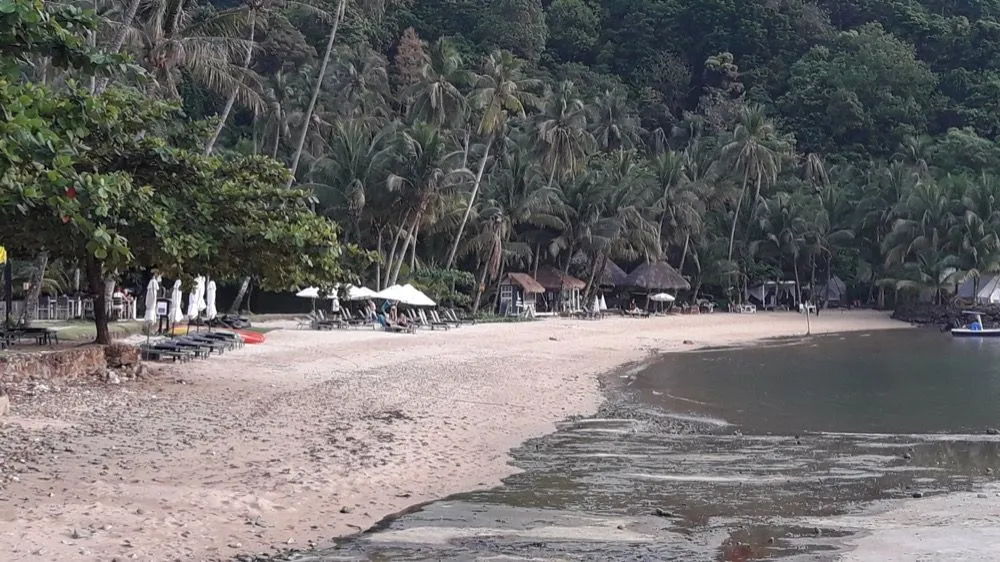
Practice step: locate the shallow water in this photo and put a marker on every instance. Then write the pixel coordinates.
(716, 455)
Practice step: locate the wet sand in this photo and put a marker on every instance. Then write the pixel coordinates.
(313, 435)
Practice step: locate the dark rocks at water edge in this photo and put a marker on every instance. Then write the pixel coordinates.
(942, 315)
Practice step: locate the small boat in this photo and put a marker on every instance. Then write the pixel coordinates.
(975, 329)
(256, 337)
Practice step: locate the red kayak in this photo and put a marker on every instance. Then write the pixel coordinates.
(251, 337)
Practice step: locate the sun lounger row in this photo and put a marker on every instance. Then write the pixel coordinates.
(412, 319)
(191, 346)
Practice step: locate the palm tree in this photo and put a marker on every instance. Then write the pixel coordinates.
(755, 152)
(307, 120)
(611, 124)
(422, 173)
(561, 135)
(436, 98)
(168, 41)
(253, 10)
(784, 227)
(917, 246)
(500, 92)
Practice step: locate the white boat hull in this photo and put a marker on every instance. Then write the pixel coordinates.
(967, 333)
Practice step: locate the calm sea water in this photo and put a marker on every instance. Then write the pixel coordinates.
(716, 456)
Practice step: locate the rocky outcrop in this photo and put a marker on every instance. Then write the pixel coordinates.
(70, 365)
(941, 315)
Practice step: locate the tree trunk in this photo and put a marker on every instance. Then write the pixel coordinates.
(133, 7)
(30, 311)
(392, 252)
(413, 250)
(684, 254)
(538, 256)
(378, 265)
(277, 138)
(252, 16)
(95, 281)
(480, 287)
(736, 214)
(316, 90)
(406, 245)
(240, 295)
(503, 268)
(798, 286)
(468, 208)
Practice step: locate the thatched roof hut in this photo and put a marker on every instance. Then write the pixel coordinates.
(659, 276)
(554, 280)
(525, 282)
(613, 276)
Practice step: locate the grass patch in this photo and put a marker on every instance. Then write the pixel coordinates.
(85, 331)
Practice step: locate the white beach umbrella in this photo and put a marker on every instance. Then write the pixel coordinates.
(176, 310)
(597, 303)
(192, 310)
(394, 293)
(210, 310)
(359, 293)
(308, 293)
(604, 303)
(662, 297)
(417, 297)
(200, 284)
(152, 293)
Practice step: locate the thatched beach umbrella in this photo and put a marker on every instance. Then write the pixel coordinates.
(613, 276)
(659, 276)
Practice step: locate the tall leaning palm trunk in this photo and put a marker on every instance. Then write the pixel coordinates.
(316, 89)
(252, 21)
(468, 208)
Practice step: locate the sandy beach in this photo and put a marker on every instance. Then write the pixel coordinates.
(313, 435)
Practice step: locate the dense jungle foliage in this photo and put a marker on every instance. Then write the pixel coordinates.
(739, 140)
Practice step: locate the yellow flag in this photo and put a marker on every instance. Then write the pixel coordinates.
(3, 255)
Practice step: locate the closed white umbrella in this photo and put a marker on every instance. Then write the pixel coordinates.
(192, 309)
(662, 297)
(604, 303)
(176, 312)
(597, 303)
(152, 293)
(200, 284)
(210, 310)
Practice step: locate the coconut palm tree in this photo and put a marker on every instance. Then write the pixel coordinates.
(611, 123)
(168, 42)
(308, 117)
(422, 172)
(755, 152)
(501, 91)
(437, 97)
(560, 133)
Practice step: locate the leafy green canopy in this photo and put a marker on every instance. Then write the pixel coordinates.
(89, 179)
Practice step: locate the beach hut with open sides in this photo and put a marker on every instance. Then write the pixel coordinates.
(518, 292)
(612, 276)
(651, 278)
(562, 291)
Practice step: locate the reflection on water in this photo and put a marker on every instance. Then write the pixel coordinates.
(915, 381)
(818, 428)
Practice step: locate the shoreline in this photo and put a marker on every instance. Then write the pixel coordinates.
(317, 435)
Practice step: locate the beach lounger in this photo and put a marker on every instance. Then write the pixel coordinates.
(153, 352)
(435, 321)
(177, 344)
(454, 317)
(214, 344)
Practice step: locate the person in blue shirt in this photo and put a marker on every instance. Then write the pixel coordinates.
(975, 326)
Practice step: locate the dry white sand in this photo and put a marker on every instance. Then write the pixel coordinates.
(313, 434)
